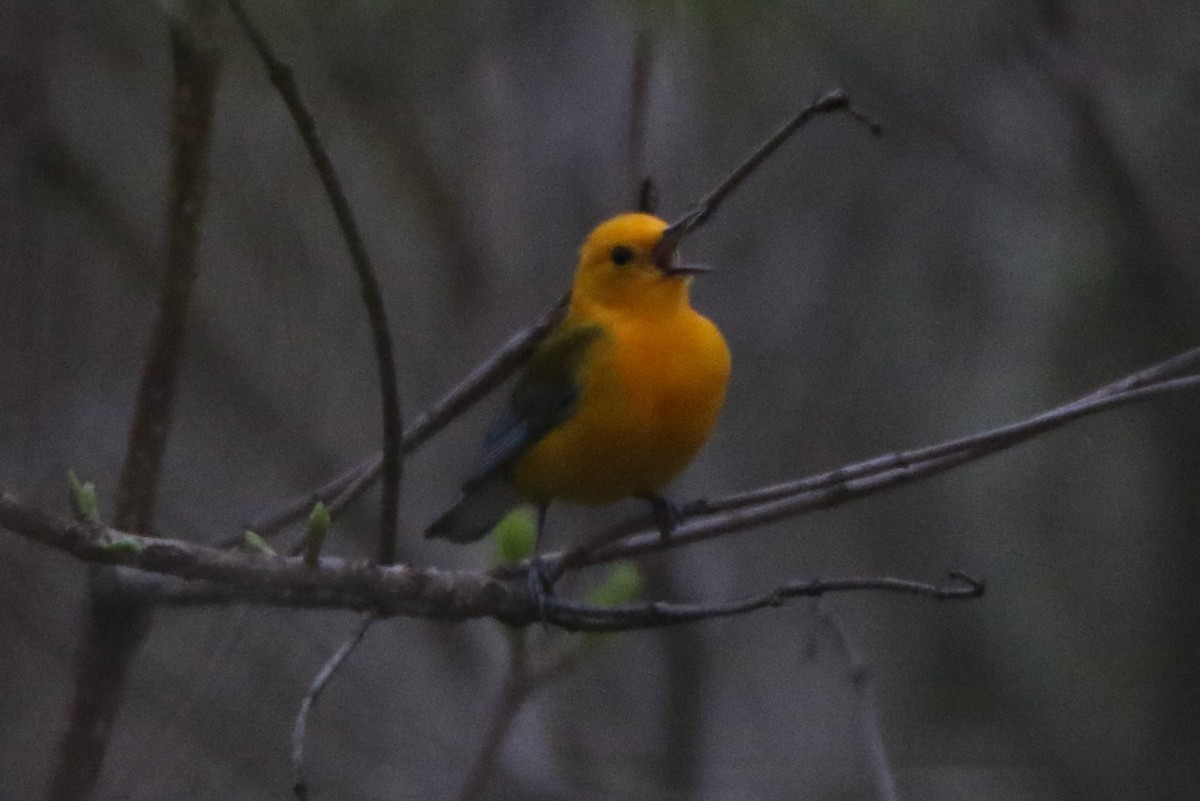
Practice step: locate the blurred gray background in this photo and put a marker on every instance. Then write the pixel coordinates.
(1024, 232)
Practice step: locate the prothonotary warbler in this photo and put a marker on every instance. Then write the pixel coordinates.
(616, 400)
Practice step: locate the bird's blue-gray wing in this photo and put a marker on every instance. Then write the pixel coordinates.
(543, 397)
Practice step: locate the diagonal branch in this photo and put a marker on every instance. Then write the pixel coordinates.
(486, 376)
(372, 297)
(832, 102)
(756, 507)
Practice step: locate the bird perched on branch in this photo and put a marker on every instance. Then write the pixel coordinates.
(617, 400)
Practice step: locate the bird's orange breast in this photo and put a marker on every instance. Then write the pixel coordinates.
(650, 392)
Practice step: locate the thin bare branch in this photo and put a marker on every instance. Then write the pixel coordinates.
(300, 729)
(702, 211)
(115, 627)
(530, 670)
(858, 674)
(372, 297)
(635, 146)
(486, 376)
(1144, 386)
(656, 614)
(279, 580)
(1174, 367)
(197, 73)
(272, 523)
(710, 518)
(398, 590)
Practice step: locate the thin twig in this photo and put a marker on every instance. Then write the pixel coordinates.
(115, 625)
(530, 670)
(656, 614)
(1154, 378)
(274, 522)
(486, 376)
(710, 518)
(197, 72)
(300, 729)
(858, 674)
(398, 590)
(1182, 364)
(700, 212)
(1002, 437)
(372, 297)
(635, 149)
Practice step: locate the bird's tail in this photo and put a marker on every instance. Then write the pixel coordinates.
(476, 513)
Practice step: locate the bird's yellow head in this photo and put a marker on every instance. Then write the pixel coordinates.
(625, 267)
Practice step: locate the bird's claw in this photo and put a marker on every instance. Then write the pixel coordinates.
(667, 516)
(540, 585)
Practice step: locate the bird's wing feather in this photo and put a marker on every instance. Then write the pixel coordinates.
(543, 397)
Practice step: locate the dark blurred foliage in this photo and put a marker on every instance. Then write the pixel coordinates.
(1025, 231)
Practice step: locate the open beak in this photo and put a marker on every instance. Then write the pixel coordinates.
(680, 268)
(666, 252)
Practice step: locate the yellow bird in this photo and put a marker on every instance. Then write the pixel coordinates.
(617, 400)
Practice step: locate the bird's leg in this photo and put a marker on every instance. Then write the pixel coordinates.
(540, 585)
(667, 516)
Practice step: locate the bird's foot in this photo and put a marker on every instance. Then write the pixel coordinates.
(540, 585)
(667, 516)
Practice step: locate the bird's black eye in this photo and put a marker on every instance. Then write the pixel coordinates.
(621, 255)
